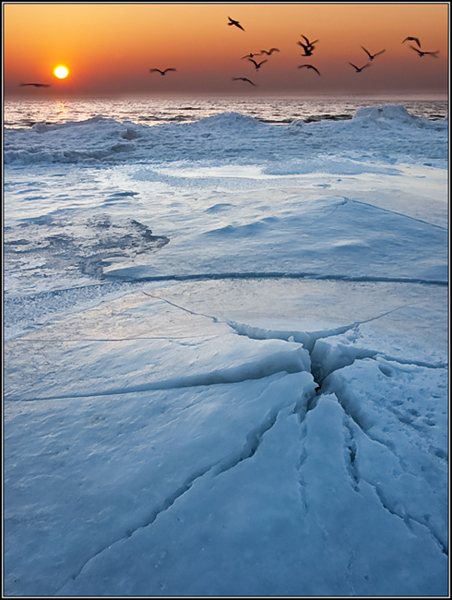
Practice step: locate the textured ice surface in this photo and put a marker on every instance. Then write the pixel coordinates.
(226, 358)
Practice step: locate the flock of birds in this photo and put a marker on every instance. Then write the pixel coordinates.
(308, 48)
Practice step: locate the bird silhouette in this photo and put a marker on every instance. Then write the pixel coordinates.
(359, 69)
(161, 72)
(412, 39)
(236, 23)
(37, 84)
(269, 52)
(243, 79)
(424, 53)
(250, 55)
(309, 67)
(372, 56)
(257, 65)
(307, 49)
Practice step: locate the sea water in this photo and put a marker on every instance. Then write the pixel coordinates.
(25, 113)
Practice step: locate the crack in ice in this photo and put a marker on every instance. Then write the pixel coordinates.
(214, 319)
(123, 339)
(253, 441)
(356, 477)
(165, 505)
(271, 365)
(136, 279)
(405, 518)
(394, 212)
(351, 451)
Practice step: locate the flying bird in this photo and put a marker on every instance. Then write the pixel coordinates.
(424, 53)
(257, 65)
(307, 49)
(412, 39)
(37, 84)
(359, 69)
(250, 55)
(161, 72)
(310, 67)
(269, 52)
(372, 56)
(236, 23)
(243, 79)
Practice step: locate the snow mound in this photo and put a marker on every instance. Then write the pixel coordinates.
(228, 121)
(388, 114)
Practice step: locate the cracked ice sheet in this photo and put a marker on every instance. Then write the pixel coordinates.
(285, 521)
(100, 468)
(296, 232)
(402, 320)
(137, 343)
(398, 419)
(95, 471)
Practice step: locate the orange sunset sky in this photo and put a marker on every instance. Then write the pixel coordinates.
(109, 49)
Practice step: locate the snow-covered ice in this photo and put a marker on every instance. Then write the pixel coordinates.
(226, 358)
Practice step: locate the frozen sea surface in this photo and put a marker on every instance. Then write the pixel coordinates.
(226, 357)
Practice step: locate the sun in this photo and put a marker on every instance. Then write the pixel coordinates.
(61, 72)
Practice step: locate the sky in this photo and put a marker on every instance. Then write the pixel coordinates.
(109, 49)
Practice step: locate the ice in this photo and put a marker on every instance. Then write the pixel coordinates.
(226, 358)
(183, 350)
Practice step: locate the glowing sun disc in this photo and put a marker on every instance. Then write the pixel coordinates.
(61, 72)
